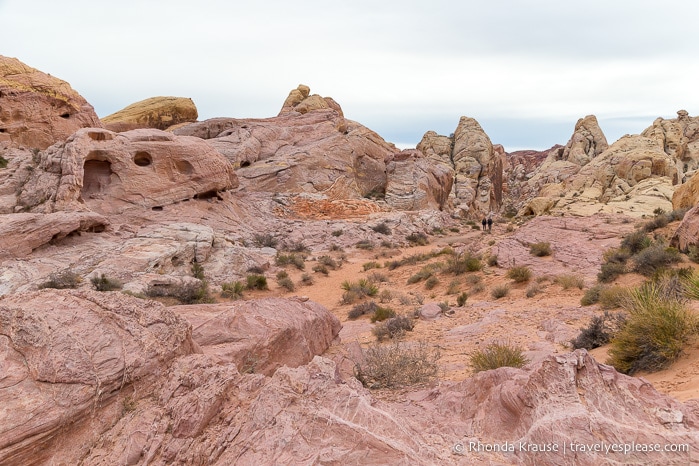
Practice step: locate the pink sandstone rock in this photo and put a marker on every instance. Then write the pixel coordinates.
(37, 109)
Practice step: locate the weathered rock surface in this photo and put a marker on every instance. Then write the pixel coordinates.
(687, 233)
(156, 112)
(262, 335)
(65, 355)
(37, 109)
(586, 143)
(297, 153)
(24, 232)
(687, 194)
(110, 172)
(416, 183)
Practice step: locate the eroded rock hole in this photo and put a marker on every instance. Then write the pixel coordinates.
(142, 159)
(65, 115)
(184, 167)
(157, 208)
(208, 195)
(245, 163)
(96, 177)
(99, 136)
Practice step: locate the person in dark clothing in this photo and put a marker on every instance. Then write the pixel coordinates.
(490, 224)
(484, 223)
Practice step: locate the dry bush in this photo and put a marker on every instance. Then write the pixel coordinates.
(62, 280)
(306, 279)
(354, 291)
(291, 258)
(395, 327)
(599, 332)
(497, 355)
(500, 291)
(361, 309)
(377, 277)
(540, 249)
(419, 239)
(519, 274)
(398, 364)
(382, 313)
(103, 283)
(382, 228)
(463, 263)
(570, 281)
(371, 265)
(431, 282)
(654, 258)
(188, 293)
(533, 290)
(611, 297)
(461, 299)
(264, 240)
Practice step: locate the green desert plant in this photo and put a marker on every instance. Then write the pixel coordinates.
(256, 282)
(463, 263)
(367, 307)
(431, 282)
(382, 313)
(292, 258)
(654, 258)
(62, 280)
(264, 240)
(591, 295)
(232, 290)
(655, 333)
(354, 291)
(382, 228)
(519, 274)
(461, 299)
(418, 238)
(496, 355)
(371, 265)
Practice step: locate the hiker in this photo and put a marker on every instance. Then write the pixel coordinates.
(484, 223)
(490, 224)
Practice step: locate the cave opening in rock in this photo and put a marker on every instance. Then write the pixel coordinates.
(142, 159)
(96, 177)
(244, 163)
(65, 115)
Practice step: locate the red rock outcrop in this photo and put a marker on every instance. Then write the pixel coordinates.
(37, 109)
(416, 183)
(110, 172)
(156, 112)
(262, 335)
(687, 195)
(687, 233)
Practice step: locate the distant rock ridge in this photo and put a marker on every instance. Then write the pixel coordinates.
(37, 109)
(155, 112)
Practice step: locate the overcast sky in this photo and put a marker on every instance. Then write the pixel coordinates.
(525, 69)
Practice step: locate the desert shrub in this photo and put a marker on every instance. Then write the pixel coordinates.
(393, 328)
(424, 273)
(256, 269)
(232, 290)
(677, 214)
(477, 288)
(397, 364)
(454, 229)
(693, 253)
(320, 268)
(474, 279)
(492, 260)
(367, 307)
(286, 283)
(355, 291)
(419, 298)
(382, 228)
(364, 244)
(385, 296)
(377, 277)
(328, 262)
(418, 238)
(306, 279)
(295, 246)
(187, 293)
(533, 290)
(62, 280)
(386, 244)
(653, 258)
(256, 282)
(634, 243)
(405, 300)
(454, 287)
(103, 283)
(497, 355)
(611, 297)
(336, 247)
(412, 259)
(337, 233)
(500, 291)
(609, 271)
(591, 295)
(371, 265)
(264, 240)
(540, 249)
(570, 281)
(292, 258)
(382, 313)
(519, 274)
(3, 162)
(657, 222)
(655, 333)
(690, 285)
(461, 299)
(599, 331)
(282, 274)
(463, 263)
(198, 270)
(431, 282)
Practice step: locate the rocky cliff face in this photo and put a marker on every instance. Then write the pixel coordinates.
(157, 112)
(37, 109)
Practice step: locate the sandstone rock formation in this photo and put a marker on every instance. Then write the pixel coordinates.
(22, 233)
(156, 112)
(263, 335)
(477, 189)
(110, 172)
(414, 183)
(687, 194)
(37, 109)
(586, 143)
(120, 380)
(687, 233)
